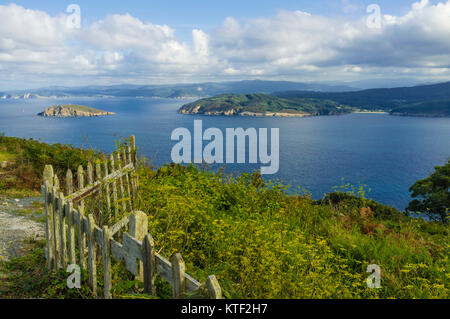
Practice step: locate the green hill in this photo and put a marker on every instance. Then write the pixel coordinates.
(262, 104)
(432, 108)
(424, 100)
(378, 99)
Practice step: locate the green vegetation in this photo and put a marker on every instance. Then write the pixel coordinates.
(28, 277)
(262, 103)
(262, 243)
(83, 108)
(5, 157)
(432, 108)
(433, 194)
(30, 157)
(257, 239)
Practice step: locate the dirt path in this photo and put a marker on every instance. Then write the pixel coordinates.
(20, 219)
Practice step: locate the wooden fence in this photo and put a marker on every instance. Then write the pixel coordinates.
(74, 237)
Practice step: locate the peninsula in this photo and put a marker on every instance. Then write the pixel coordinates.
(424, 100)
(72, 110)
(263, 105)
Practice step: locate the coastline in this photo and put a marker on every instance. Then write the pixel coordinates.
(250, 114)
(275, 114)
(371, 112)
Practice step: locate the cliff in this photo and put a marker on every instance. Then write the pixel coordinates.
(72, 110)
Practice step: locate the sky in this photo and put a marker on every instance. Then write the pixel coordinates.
(45, 43)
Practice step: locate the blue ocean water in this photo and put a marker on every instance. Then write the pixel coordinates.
(386, 153)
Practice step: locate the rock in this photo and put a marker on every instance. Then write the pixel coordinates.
(73, 111)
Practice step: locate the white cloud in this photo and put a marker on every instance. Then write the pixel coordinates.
(291, 45)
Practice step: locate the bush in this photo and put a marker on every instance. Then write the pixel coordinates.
(262, 243)
(30, 158)
(433, 194)
(353, 202)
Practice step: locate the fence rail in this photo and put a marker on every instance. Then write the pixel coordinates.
(73, 235)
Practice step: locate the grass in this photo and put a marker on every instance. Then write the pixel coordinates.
(18, 193)
(30, 157)
(28, 277)
(6, 157)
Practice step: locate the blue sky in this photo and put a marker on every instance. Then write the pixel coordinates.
(184, 15)
(199, 40)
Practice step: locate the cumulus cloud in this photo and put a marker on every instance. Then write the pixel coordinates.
(292, 45)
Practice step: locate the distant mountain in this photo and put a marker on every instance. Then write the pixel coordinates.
(259, 86)
(384, 83)
(175, 90)
(378, 99)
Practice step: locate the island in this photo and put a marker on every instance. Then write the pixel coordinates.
(263, 105)
(72, 110)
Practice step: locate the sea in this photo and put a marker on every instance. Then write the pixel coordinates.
(384, 154)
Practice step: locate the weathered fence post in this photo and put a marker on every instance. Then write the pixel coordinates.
(55, 217)
(114, 187)
(122, 191)
(131, 183)
(81, 233)
(134, 175)
(80, 178)
(92, 255)
(48, 186)
(70, 223)
(138, 229)
(62, 232)
(148, 254)
(133, 150)
(127, 179)
(214, 290)
(69, 182)
(178, 276)
(106, 250)
(90, 174)
(107, 192)
(98, 173)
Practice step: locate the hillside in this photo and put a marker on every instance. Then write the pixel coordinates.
(425, 100)
(262, 105)
(432, 108)
(260, 241)
(71, 110)
(378, 99)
